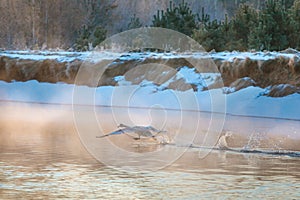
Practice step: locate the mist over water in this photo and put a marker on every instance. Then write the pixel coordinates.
(41, 156)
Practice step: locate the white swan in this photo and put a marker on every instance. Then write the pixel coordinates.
(222, 142)
(141, 131)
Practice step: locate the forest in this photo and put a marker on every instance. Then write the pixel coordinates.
(44, 24)
(82, 24)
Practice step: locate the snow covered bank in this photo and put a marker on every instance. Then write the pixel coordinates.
(264, 68)
(251, 80)
(65, 56)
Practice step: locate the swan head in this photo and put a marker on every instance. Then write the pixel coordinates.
(228, 134)
(122, 126)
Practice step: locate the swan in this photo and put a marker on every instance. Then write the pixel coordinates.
(222, 142)
(141, 131)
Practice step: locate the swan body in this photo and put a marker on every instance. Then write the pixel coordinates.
(222, 142)
(141, 131)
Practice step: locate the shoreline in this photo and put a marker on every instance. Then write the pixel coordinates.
(61, 105)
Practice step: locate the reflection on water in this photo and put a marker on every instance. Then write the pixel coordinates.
(42, 157)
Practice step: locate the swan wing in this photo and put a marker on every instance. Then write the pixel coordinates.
(117, 132)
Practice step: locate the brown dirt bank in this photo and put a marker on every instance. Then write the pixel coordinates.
(275, 71)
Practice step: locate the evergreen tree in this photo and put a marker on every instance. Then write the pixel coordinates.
(82, 41)
(89, 37)
(98, 36)
(210, 35)
(205, 18)
(294, 25)
(271, 31)
(288, 3)
(243, 22)
(217, 35)
(179, 18)
(134, 23)
(258, 39)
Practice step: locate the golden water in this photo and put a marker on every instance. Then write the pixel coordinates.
(42, 157)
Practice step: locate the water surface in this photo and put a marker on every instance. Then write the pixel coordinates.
(42, 157)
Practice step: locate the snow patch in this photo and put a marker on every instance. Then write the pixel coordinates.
(121, 81)
(96, 56)
(201, 80)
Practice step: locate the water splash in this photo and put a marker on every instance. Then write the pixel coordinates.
(255, 140)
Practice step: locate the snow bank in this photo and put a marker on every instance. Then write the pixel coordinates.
(246, 102)
(249, 101)
(65, 56)
(275, 68)
(61, 56)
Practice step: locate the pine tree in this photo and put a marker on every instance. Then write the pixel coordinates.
(288, 3)
(134, 23)
(217, 35)
(243, 22)
(294, 25)
(210, 35)
(98, 36)
(231, 40)
(89, 36)
(179, 18)
(271, 31)
(205, 18)
(82, 41)
(258, 39)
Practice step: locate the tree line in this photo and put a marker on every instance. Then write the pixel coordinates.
(276, 26)
(44, 24)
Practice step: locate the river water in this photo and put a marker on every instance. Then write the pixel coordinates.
(42, 157)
